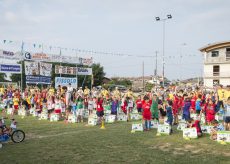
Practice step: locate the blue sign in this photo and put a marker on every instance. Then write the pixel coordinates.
(65, 81)
(10, 68)
(38, 80)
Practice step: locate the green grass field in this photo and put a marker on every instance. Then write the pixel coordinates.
(50, 142)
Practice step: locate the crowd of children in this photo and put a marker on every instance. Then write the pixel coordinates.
(156, 105)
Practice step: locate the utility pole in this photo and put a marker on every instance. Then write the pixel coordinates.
(155, 73)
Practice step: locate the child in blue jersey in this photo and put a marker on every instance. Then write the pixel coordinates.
(169, 113)
(114, 106)
(198, 104)
(186, 107)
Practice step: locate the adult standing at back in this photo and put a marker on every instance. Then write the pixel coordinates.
(68, 94)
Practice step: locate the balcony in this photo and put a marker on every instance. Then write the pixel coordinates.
(217, 74)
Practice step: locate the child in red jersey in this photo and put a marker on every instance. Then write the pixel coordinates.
(139, 104)
(146, 106)
(209, 109)
(175, 107)
(124, 105)
(193, 103)
(100, 109)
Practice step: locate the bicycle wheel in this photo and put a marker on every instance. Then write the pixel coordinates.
(18, 136)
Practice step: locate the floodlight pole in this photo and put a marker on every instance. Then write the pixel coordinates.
(163, 52)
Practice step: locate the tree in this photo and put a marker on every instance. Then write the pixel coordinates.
(116, 81)
(17, 77)
(2, 77)
(98, 74)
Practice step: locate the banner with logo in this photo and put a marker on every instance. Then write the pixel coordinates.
(10, 55)
(38, 79)
(57, 58)
(65, 81)
(86, 61)
(31, 68)
(45, 69)
(10, 68)
(84, 71)
(65, 70)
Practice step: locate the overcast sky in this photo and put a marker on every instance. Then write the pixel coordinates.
(120, 26)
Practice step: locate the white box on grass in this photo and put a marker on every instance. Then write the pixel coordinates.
(181, 126)
(9, 111)
(92, 121)
(190, 133)
(110, 118)
(32, 110)
(22, 112)
(35, 114)
(135, 116)
(164, 129)
(72, 118)
(223, 136)
(206, 129)
(154, 124)
(121, 117)
(54, 117)
(137, 127)
(44, 116)
(86, 114)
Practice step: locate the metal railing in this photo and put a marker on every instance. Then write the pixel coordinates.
(217, 74)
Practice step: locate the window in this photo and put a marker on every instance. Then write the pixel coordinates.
(216, 82)
(216, 70)
(227, 54)
(215, 53)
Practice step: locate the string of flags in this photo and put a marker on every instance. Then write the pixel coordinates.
(41, 46)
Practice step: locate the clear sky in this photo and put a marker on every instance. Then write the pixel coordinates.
(120, 26)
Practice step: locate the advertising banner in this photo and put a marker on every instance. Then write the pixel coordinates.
(45, 69)
(60, 69)
(57, 58)
(84, 71)
(10, 68)
(38, 80)
(10, 55)
(86, 61)
(64, 81)
(31, 68)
